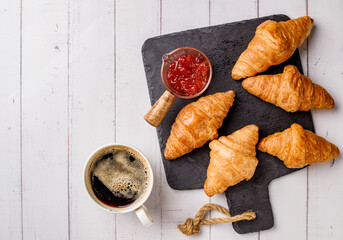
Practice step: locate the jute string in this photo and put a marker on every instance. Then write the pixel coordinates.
(192, 226)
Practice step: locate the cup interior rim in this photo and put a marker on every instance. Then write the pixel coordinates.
(131, 207)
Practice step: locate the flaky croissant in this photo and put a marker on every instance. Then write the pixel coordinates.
(233, 159)
(198, 123)
(298, 147)
(273, 43)
(289, 90)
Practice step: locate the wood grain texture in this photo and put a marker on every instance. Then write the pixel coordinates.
(85, 116)
(223, 11)
(10, 118)
(181, 15)
(44, 116)
(135, 22)
(91, 108)
(325, 68)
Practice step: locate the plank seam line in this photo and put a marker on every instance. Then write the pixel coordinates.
(160, 17)
(210, 199)
(21, 119)
(258, 15)
(160, 165)
(68, 122)
(115, 88)
(307, 169)
(209, 12)
(115, 67)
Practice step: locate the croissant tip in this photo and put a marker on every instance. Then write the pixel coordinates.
(254, 127)
(249, 83)
(259, 145)
(246, 82)
(168, 156)
(337, 153)
(332, 103)
(308, 17)
(208, 193)
(230, 92)
(290, 67)
(235, 76)
(296, 125)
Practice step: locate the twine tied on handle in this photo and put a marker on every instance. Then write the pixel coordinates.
(192, 226)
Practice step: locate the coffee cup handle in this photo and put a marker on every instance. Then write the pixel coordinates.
(144, 216)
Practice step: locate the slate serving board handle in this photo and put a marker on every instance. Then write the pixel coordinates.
(255, 198)
(254, 194)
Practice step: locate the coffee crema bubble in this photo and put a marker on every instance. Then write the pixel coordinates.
(118, 177)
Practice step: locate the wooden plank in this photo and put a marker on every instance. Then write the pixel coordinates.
(325, 68)
(181, 15)
(92, 108)
(177, 206)
(135, 22)
(288, 195)
(223, 12)
(44, 116)
(10, 171)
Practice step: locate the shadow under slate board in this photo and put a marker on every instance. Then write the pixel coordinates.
(223, 44)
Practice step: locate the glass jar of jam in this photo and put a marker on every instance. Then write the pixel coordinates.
(186, 72)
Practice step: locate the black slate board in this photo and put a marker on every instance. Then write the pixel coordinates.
(223, 44)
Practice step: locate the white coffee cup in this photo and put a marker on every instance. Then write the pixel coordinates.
(137, 206)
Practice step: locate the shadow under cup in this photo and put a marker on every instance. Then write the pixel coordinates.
(97, 156)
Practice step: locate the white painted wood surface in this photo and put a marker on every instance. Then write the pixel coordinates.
(73, 80)
(91, 108)
(44, 118)
(10, 118)
(325, 181)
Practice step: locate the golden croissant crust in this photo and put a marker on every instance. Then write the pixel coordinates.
(297, 147)
(198, 123)
(289, 90)
(273, 43)
(233, 159)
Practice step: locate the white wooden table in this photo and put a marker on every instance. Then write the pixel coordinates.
(72, 80)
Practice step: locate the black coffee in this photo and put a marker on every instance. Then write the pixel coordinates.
(118, 177)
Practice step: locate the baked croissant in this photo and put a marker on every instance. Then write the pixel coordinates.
(197, 123)
(289, 90)
(273, 43)
(233, 159)
(297, 147)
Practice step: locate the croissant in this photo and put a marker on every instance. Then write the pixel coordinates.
(297, 147)
(233, 159)
(289, 90)
(273, 43)
(197, 123)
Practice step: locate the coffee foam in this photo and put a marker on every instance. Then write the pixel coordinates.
(123, 173)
